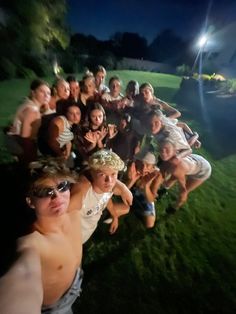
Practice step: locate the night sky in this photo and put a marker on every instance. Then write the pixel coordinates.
(102, 18)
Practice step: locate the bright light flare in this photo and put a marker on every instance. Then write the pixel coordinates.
(202, 41)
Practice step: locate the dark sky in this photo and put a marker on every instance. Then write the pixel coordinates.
(102, 18)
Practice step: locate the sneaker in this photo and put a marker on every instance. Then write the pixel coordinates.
(108, 221)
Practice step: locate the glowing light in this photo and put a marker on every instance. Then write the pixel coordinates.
(56, 68)
(202, 41)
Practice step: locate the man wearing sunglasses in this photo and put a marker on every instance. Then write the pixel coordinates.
(94, 190)
(56, 235)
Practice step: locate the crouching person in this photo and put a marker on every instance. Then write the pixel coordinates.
(56, 235)
(94, 189)
(189, 172)
(144, 180)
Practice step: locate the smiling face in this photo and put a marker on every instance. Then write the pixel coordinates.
(167, 151)
(104, 179)
(50, 197)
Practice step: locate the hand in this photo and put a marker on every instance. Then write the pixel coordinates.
(101, 134)
(120, 104)
(114, 225)
(127, 196)
(133, 173)
(137, 149)
(112, 130)
(197, 144)
(91, 137)
(148, 178)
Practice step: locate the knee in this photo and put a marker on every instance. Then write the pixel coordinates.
(150, 222)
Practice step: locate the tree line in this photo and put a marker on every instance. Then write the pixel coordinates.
(34, 33)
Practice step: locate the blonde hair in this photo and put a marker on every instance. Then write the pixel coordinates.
(146, 85)
(105, 158)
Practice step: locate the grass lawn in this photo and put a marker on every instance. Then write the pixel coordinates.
(186, 264)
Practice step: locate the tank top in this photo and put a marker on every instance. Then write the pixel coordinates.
(17, 123)
(93, 205)
(66, 136)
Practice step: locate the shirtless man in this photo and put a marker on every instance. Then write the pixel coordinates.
(93, 192)
(56, 235)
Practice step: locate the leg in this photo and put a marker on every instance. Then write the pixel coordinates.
(192, 184)
(149, 221)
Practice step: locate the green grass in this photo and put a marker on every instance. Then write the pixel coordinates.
(186, 264)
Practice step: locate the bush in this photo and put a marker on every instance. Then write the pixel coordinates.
(26, 73)
(7, 69)
(204, 77)
(228, 86)
(38, 64)
(183, 70)
(108, 60)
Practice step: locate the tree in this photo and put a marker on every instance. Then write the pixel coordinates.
(32, 28)
(168, 47)
(130, 45)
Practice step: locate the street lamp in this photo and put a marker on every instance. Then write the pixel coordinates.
(202, 41)
(201, 44)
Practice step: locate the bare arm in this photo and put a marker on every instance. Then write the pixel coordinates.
(122, 190)
(30, 123)
(55, 128)
(149, 180)
(132, 175)
(112, 211)
(170, 111)
(78, 191)
(21, 288)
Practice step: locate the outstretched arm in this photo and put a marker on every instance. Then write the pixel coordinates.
(21, 288)
(170, 111)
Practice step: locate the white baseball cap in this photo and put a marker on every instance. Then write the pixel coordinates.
(147, 157)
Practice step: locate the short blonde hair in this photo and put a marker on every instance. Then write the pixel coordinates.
(105, 158)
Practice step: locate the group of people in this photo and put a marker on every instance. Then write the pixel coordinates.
(87, 148)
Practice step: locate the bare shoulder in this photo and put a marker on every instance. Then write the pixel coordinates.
(30, 113)
(78, 191)
(82, 184)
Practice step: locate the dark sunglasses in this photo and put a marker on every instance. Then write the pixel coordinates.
(41, 192)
